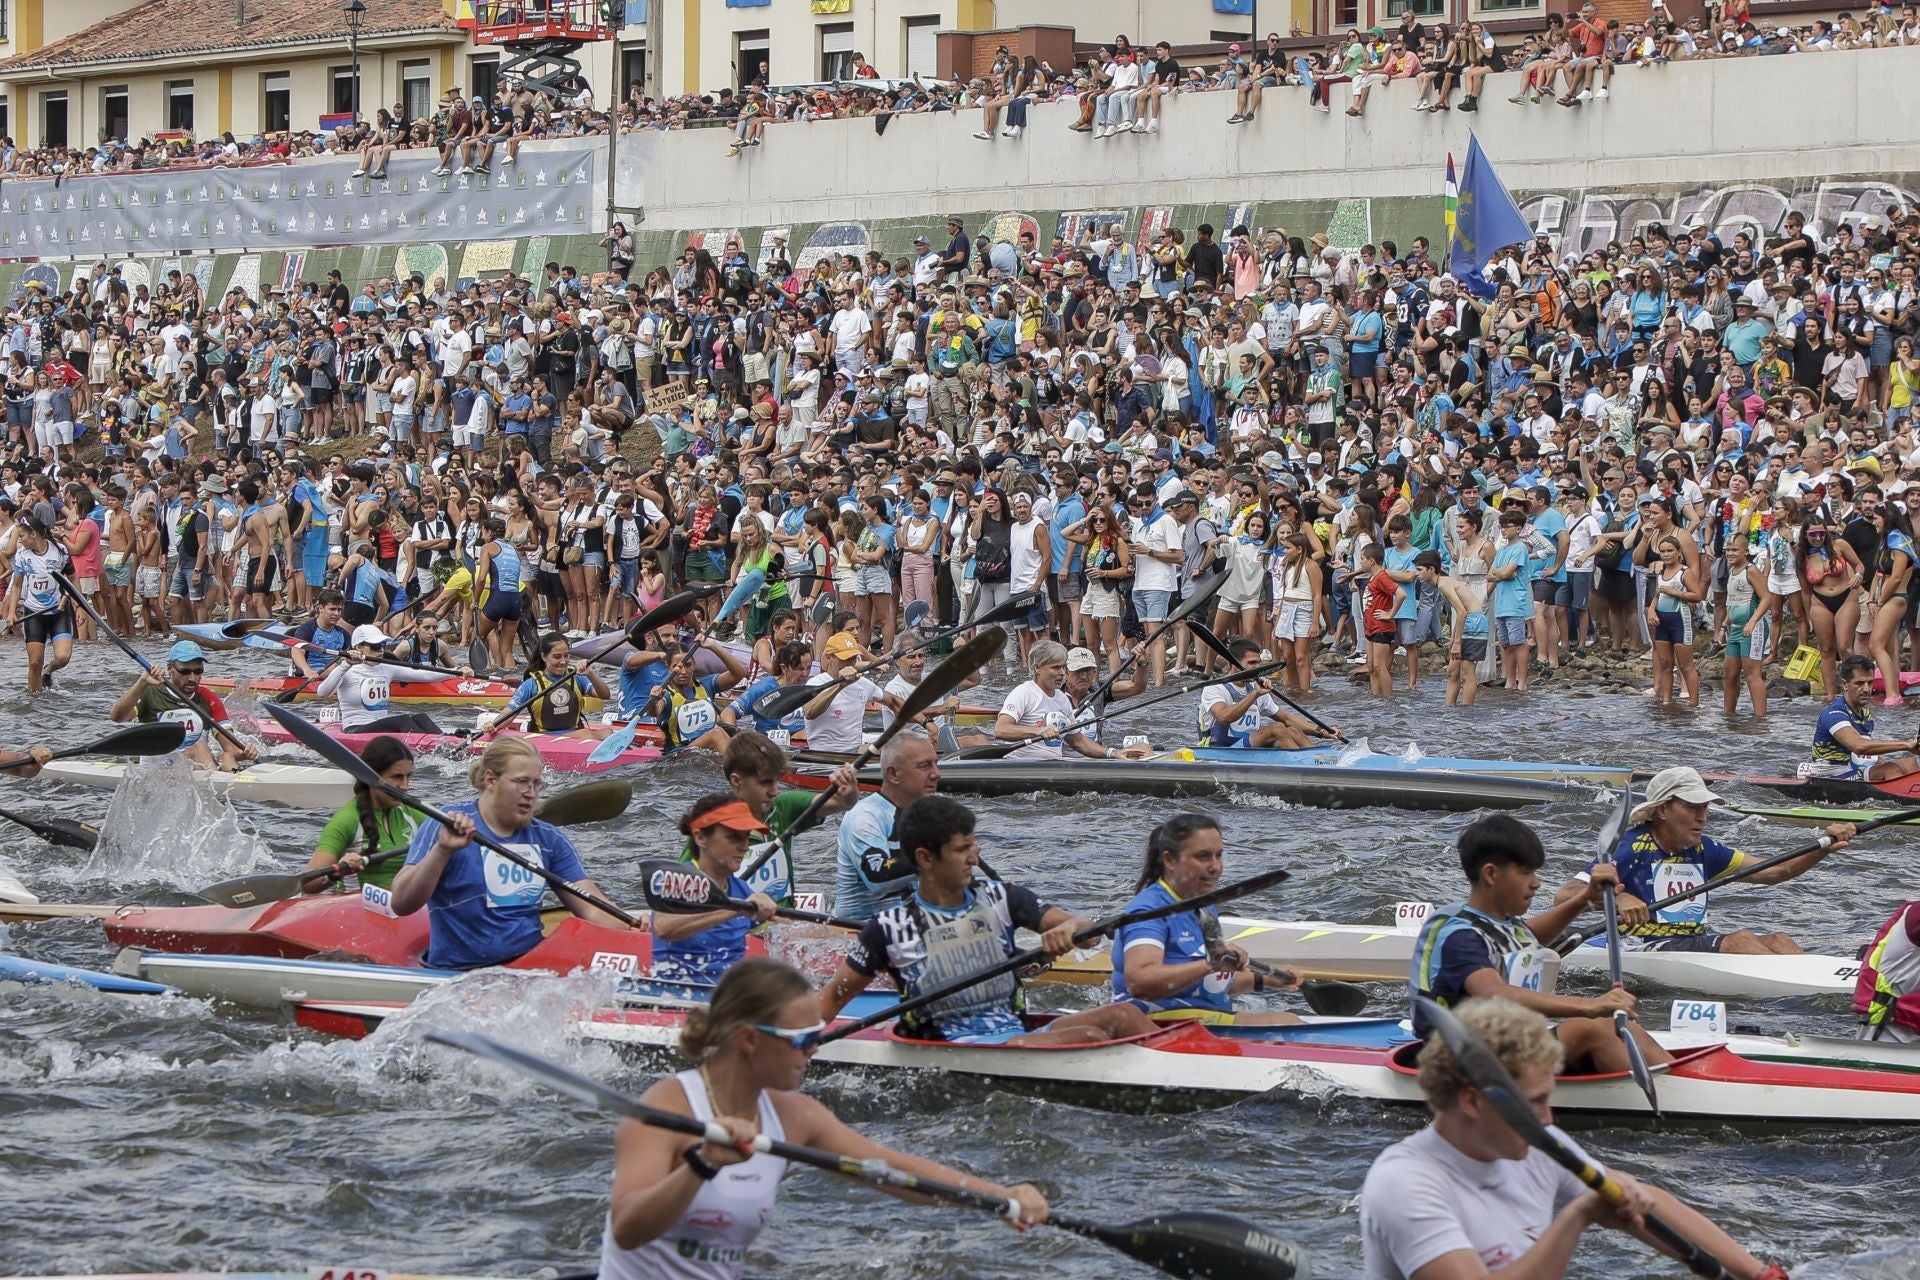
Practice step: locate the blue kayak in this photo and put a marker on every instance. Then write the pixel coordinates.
(211, 635)
(1599, 775)
(15, 969)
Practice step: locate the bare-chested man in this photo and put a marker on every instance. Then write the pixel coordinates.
(263, 535)
(117, 575)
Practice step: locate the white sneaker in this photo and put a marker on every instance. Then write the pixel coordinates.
(358, 173)
(504, 163)
(442, 171)
(463, 171)
(1600, 92)
(1140, 126)
(1583, 95)
(1420, 105)
(1100, 131)
(1017, 130)
(984, 136)
(1008, 132)
(1153, 125)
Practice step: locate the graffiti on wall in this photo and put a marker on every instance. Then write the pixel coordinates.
(1587, 220)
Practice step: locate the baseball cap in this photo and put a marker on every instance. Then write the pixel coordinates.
(842, 645)
(1081, 659)
(186, 651)
(1314, 459)
(368, 633)
(1184, 495)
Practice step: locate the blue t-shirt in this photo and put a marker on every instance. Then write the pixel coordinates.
(1180, 941)
(1833, 716)
(1513, 597)
(486, 910)
(1549, 524)
(794, 722)
(1065, 515)
(637, 685)
(1650, 873)
(869, 863)
(708, 954)
(320, 638)
(1395, 560)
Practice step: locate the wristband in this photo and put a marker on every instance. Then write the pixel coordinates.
(701, 1169)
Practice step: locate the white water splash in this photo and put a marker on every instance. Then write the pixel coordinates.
(1357, 750)
(1413, 754)
(166, 824)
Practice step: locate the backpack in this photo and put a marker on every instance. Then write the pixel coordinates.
(1610, 555)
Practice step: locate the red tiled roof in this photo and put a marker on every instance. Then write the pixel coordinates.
(164, 28)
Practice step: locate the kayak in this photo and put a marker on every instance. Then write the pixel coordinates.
(1368, 953)
(1816, 816)
(1908, 680)
(213, 635)
(1324, 786)
(15, 971)
(1597, 775)
(11, 890)
(1197, 1065)
(463, 690)
(566, 754)
(303, 786)
(1844, 791)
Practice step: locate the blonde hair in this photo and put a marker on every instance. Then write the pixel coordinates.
(754, 990)
(1520, 1038)
(499, 757)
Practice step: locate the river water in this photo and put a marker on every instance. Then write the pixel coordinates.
(185, 1135)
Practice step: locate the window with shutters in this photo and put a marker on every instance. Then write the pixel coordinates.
(922, 47)
(836, 51)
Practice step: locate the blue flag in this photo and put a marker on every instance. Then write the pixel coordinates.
(1485, 222)
(1233, 6)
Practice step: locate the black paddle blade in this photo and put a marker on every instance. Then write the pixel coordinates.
(679, 888)
(1201, 1245)
(315, 739)
(72, 835)
(598, 801)
(778, 703)
(1008, 610)
(1334, 999)
(157, 739)
(672, 609)
(1204, 590)
(254, 891)
(241, 628)
(960, 665)
(822, 611)
(1204, 634)
(916, 613)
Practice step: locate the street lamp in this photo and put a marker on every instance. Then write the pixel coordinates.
(356, 11)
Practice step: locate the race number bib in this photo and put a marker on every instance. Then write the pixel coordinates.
(376, 900)
(375, 694)
(1246, 725)
(1056, 724)
(1527, 968)
(187, 720)
(1670, 878)
(780, 737)
(40, 587)
(693, 719)
(510, 885)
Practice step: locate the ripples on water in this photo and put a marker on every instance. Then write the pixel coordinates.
(183, 1135)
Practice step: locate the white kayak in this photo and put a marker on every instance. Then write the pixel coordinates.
(303, 786)
(11, 890)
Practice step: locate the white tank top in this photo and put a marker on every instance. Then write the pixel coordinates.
(1026, 557)
(711, 1240)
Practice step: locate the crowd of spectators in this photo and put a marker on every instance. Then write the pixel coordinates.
(1118, 87)
(1674, 442)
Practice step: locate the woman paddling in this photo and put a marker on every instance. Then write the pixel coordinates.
(562, 711)
(1179, 966)
(683, 1208)
(702, 946)
(374, 818)
(362, 686)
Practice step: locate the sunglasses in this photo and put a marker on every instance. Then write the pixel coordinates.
(189, 671)
(801, 1038)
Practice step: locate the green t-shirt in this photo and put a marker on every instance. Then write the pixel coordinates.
(342, 834)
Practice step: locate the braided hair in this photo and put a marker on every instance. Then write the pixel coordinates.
(381, 754)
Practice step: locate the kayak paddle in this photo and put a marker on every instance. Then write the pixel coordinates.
(1204, 634)
(672, 609)
(589, 802)
(1489, 1075)
(1325, 996)
(156, 738)
(340, 755)
(1622, 1025)
(1021, 959)
(680, 888)
(198, 708)
(934, 686)
(1200, 1246)
(73, 835)
(1575, 937)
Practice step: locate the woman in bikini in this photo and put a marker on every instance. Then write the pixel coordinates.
(1832, 574)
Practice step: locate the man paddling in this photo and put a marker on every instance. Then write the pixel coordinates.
(1843, 741)
(176, 697)
(1887, 993)
(1668, 851)
(1248, 715)
(1039, 714)
(1482, 947)
(953, 924)
(870, 865)
(1467, 1197)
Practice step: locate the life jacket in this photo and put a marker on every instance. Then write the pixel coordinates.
(1878, 998)
(560, 711)
(689, 714)
(1516, 953)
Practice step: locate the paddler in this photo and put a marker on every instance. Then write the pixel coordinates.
(1039, 714)
(362, 685)
(424, 645)
(1667, 851)
(374, 818)
(869, 864)
(1482, 947)
(562, 711)
(953, 923)
(1467, 1197)
(1247, 714)
(1886, 995)
(695, 1209)
(174, 696)
(37, 759)
(322, 636)
(1083, 677)
(685, 705)
(700, 946)
(1179, 966)
(753, 765)
(837, 717)
(482, 909)
(789, 667)
(1843, 741)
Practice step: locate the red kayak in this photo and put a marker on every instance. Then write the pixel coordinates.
(567, 754)
(464, 690)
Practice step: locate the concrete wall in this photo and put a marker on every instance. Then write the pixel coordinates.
(1762, 119)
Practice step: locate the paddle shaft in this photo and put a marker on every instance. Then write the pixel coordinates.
(1622, 1025)
(1576, 937)
(1021, 959)
(1205, 635)
(206, 717)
